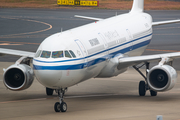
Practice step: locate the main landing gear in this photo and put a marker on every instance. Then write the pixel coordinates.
(143, 86)
(49, 91)
(60, 106)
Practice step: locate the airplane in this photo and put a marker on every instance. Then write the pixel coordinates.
(102, 49)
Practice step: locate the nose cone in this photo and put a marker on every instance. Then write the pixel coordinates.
(48, 78)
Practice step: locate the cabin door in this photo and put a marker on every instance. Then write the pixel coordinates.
(130, 39)
(83, 51)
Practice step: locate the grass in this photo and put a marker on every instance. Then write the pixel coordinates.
(103, 4)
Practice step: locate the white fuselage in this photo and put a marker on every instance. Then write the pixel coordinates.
(97, 47)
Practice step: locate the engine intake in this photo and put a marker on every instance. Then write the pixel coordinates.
(162, 78)
(18, 77)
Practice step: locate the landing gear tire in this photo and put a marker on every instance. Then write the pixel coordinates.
(153, 93)
(60, 107)
(63, 107)
(57, 107)
(49, 91)
(142, 88)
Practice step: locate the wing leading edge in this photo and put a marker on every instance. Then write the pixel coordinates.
(89, 18)
(165, 22)
(148, 58)
(16, 53)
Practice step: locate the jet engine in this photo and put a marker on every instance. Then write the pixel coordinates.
(18, 77)
(161, 78)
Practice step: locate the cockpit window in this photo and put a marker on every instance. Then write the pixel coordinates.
(67, 54)
(72, 53)
(38, 53)
(45, 54)
(57, 54)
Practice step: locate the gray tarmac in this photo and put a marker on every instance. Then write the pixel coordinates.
(111, 98)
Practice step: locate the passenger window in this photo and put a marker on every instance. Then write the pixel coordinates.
(45, 54)
(38, 53)
(67, 54)
(72, 53)
(57, 54)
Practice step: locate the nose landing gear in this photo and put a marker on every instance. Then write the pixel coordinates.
(60, 106)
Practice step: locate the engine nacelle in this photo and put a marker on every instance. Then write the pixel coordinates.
(18, 77)
(162, 78)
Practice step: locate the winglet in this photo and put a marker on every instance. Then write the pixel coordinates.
(138, 6)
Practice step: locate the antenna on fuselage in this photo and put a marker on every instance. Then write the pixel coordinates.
(61, 30)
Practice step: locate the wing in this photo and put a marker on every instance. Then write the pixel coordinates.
(89, 18)
(16, 52)
(165, 22)
(148, 58)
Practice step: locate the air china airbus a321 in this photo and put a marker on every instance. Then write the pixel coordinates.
(106, 48)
